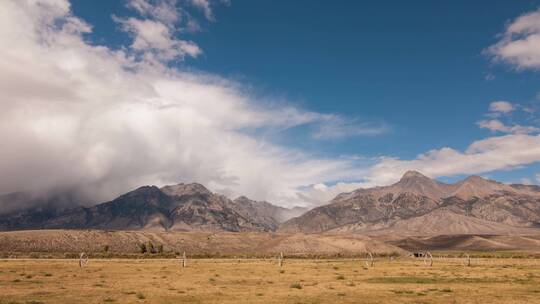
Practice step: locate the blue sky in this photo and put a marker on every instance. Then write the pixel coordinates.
(417, 66)
(352, 93)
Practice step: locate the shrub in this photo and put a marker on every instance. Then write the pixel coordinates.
(150, 247)
(142, 248)
(106, 248)
(296, 285)
(160, 248)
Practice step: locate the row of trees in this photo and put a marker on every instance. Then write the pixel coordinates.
(150, 248)
(143, 248)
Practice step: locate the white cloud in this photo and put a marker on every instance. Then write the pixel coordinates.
(501, 107)
(85, 117)
(156, 37)
(336, 127)
(101, 121)
(525, 181)
(320, 194)
(496, 125)
(520, 43)
(156, 41)
(495, 153)
(165, 11)
(204, 5)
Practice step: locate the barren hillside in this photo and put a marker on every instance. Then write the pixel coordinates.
(216, 244)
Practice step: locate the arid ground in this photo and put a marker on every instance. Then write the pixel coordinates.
(400, 280)
(69, 243)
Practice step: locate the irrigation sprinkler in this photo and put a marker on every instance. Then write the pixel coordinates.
(428, 259)
(467, 261)
(369, 262)
(184, 260)
(83, 259)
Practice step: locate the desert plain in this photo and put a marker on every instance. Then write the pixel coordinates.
(396, 280)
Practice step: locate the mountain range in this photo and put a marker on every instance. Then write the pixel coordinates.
(182, 207)
(415, 205)
(418, 205)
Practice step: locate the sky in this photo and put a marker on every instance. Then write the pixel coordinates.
(291, 102)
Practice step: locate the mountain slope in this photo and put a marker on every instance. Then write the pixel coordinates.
(419, 205)
(182, 207)
(269, 215)
(193, 243)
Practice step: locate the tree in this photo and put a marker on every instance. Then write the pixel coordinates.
(150, 248)
(142, 247)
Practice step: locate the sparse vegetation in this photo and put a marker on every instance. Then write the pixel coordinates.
(142, 248)
(150, 248)
(296, 285)
(233, 281)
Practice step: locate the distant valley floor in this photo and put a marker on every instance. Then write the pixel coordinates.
(60, 243)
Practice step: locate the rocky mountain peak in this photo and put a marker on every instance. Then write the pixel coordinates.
(478, 180)
(186, 189)
(412, 174)
(242, 199)
(417, 183)
(477, 186)
(144, 190)
(415, 178)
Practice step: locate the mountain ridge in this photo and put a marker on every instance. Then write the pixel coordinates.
(415, 205)
(479, 204)
(180, 207)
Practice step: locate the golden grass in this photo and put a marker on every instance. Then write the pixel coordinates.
(257, 281)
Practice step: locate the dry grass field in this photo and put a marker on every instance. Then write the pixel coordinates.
(263, 281)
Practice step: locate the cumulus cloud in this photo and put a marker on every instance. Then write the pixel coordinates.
(501, 107)
(494, 153)
(165, 11)
(320, 194)
(155, 37)
(155, 40)
(501, 111)
(482, 156)
(520, 42)
(102, 122)
(496, 125)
